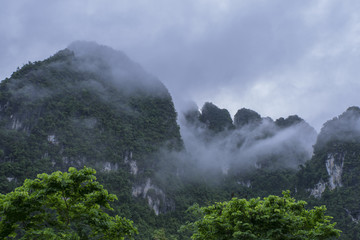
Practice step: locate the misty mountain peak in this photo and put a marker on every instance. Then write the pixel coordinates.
(92, 49)
(115, 66)
(82, 102)
(289, 121)
(215, 118)
(246, 116)
(192, 114)
(345, 127)
(351, 112)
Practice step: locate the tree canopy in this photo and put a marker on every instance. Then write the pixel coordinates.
(63, 205)
(273, 217)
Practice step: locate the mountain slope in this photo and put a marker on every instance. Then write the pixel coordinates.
(88, 105)
(332, 177)
(91, 105)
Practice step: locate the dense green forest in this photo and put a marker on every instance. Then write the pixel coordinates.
(89, 105)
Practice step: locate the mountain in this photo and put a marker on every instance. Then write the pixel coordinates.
(250, 142)
(261, 157)
(88, 105)
(91, 105)
(245, 116)
(331, 177)
(215, 118)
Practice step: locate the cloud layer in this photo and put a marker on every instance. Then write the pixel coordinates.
(276, 57)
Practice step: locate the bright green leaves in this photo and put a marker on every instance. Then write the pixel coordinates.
(270, 218)
(63, 205)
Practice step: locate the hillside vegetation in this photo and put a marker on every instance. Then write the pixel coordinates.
(89, 105)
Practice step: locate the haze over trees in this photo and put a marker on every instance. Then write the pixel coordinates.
(89, 105)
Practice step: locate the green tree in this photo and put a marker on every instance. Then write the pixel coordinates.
(273, 217)
(63, 205)
(160, 234)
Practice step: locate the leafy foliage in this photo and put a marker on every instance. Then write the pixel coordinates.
(69, 205)
(271, 218)
(160, 234)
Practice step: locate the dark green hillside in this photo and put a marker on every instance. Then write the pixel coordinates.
(332, 176)
(86, 105)
(89, 105)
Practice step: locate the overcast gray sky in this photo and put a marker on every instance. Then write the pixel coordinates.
(276, 57)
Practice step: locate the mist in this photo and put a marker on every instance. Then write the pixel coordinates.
(98, 69)
(262, 144)
(260, 54)
(117, 67)
(344, 128)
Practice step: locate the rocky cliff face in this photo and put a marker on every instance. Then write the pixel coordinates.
(335, 147)
(334, 167)
(334, 164)
(332, 175)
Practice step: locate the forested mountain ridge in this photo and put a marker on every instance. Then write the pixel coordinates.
(327, 174)
(69, 95)
(87, 105)
(331, 177)
(91, 105)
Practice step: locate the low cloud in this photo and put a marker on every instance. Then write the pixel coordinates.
(344, 128)
(261, 144)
